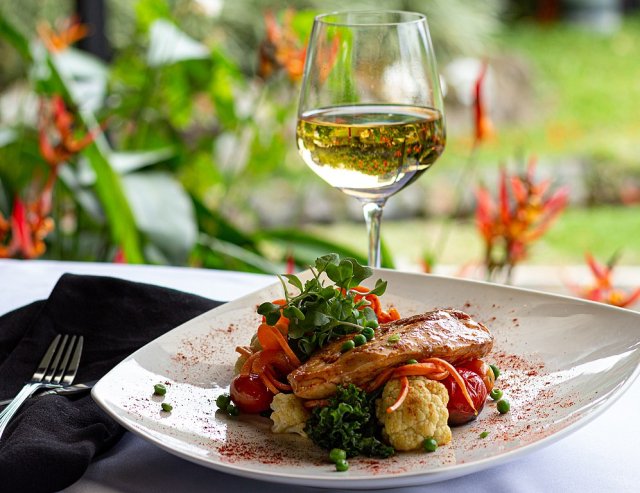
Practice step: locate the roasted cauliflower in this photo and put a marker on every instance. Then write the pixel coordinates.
(289, 415)
(423, 414)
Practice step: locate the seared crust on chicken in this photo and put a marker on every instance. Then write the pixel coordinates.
(448, 334)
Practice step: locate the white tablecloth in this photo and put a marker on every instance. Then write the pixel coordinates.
(603, 456)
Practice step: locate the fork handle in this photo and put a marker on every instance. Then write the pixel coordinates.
(8, 413)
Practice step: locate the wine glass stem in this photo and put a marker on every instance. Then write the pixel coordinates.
(373, 218)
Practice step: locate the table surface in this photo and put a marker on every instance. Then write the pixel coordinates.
(601, 456)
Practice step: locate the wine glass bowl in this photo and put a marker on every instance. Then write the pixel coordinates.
(370, 118)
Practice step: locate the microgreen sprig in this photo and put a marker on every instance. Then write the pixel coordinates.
(319, 313)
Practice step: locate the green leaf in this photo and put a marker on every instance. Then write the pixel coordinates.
(15, 38)
(268, 307)
(127, 162)
(360, 272)
(168, 45)
(381, 287)
(244, 259)
(272, 318)
(323, 262)
(294, 281)
(164, 212)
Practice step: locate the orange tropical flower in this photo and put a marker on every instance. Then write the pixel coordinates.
(521, 214)
(482, 123)
(30, 222)
(68, 32)
(282, 49)
(602, 289)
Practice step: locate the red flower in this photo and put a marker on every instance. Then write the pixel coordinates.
(520, 215)
(482, 123)
(281, 49)
(602, 289)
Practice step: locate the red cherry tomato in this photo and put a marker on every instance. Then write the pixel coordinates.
(460, 411)
(249, 394)
(483, 370)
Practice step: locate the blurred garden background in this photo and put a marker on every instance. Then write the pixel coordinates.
(163, 131)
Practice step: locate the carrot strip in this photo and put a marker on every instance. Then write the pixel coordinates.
(277, 383)
(246, 367)
(458, 379)
(417, 369)
(266, 337)
(267, 383)
(380, 380)
(244, 351)
(284, 345)
(404, 390)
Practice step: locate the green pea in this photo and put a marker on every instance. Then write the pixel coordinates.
(412, 361)
(496, 371)
(430, 445)
(368, 332)
(232, 410)
(484, 434)
(167, 407)
(495, 394)
(223, 401)
(337, 454)
(359, 340)
(503, 406)
(373, 324)
(347, 346)
(159, 389)
(342, 465)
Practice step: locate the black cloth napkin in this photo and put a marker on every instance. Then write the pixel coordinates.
(52, 440)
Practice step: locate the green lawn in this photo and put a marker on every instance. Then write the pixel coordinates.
(602, 231)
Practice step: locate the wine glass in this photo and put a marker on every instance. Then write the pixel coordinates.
(370, 117)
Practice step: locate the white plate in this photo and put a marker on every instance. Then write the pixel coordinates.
(563, 361)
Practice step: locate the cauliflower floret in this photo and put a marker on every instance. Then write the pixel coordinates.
(423, 414)
(289, 415)
(254, 346)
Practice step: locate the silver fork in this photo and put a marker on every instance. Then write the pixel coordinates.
(57, 368)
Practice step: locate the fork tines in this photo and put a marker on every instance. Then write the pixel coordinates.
(60, 363)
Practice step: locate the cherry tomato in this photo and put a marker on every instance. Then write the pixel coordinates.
(483, 370)
(249, 394)
(460, 411)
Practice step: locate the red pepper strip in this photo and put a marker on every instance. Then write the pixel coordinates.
(404, 390)
(456, 376)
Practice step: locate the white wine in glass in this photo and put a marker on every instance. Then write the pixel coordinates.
(370, 118)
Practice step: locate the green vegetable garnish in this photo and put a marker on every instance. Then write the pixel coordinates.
(167, 407)
(412, 361)
(348, 423)
(496, 371)
(430, 445)
(484, 434)
(393, 338)
(223, 401)
(369, 333)
(159, 389)
(337, 454)
(359, 340)
(232, 410)
(347, 346)
(321, 313)
(495, 394)
(503, 406)
(342, 465)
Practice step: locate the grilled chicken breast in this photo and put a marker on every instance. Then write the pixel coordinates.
(448, 334)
